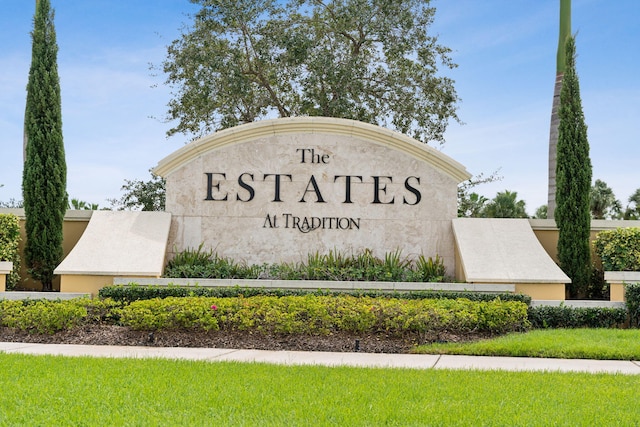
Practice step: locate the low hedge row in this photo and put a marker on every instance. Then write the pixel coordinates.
(306, 314)
(310, 314)
(320, 315)
(48, 317)
(576, 317)
(134, 292)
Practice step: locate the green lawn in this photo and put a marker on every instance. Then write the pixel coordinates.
(48, 390)
(610, 344)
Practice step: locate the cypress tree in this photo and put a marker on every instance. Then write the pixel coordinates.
(573, 182)
(45, 171)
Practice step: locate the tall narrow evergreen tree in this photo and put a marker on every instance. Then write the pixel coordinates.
(573, 182)
(565, 32)
(45, 172)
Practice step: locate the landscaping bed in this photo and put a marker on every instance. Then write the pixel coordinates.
(305, 323)
(126, 336)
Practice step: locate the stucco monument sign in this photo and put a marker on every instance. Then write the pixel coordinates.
(278, 190)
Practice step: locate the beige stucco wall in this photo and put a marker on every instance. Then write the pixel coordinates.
(547, 232)
(87, 283)
(542, 291)
(75, 222)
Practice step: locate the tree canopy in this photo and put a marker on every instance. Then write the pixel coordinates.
(505, 205)
(142, 195)
(367, 60)
(603, 202)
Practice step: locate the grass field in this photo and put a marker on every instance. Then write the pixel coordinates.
(606, 344)
(48, 390)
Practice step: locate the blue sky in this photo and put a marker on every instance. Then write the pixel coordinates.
(505, 50)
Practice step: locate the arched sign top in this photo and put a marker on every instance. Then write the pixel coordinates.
(312, 125)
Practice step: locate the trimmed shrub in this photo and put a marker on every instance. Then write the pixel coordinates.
(320, 315)
(9, 240)
(48, 317)
(576, 317)
(134, 292)
(632, 298)
(619, 249)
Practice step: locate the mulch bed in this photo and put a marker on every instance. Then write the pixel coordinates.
(124, 336)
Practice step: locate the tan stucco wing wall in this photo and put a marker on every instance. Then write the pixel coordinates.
(120, 243)
(501, 250)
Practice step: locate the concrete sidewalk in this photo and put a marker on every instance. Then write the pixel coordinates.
(411, 361)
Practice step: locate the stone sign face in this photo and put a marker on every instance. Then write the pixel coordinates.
(279, 190)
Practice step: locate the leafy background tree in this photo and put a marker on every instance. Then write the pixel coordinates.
(632, 210)
(12, 203)
(573, 182)
(471, 204)
(45, 171)
(142, 195)
(541, 212)
(81, 205)
(505, 205)
(367, 60)
(603, 202)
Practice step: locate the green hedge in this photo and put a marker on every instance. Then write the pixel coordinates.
(576, 317)
(305, 314)
(619, 249)
(49, 316)
(321, 315)
(309, 314)
(9, 240)
(134, 292)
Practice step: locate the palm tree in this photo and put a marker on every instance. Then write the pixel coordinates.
(505, 205)
(565, 32)
(80, 205)
(633, 208)
(603, 202)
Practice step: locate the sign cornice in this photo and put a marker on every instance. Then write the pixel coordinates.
(312, 125)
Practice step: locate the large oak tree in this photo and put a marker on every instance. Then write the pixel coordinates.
(368, 60)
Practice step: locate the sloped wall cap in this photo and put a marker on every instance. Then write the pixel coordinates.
(502, 250)
(118, 243)
(313, 125)
(6, 267)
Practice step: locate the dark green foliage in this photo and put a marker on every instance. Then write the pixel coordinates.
(632, 211)
(9, 240)
(505, 205)
(470, 204)
(578, 317)
(604, 204)
(371, 61)
(598, 288)
(142, 195)
(573, 182)
(198, 263)
(134, 292)
(632, 298)
(619, 249)
(45, 172)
